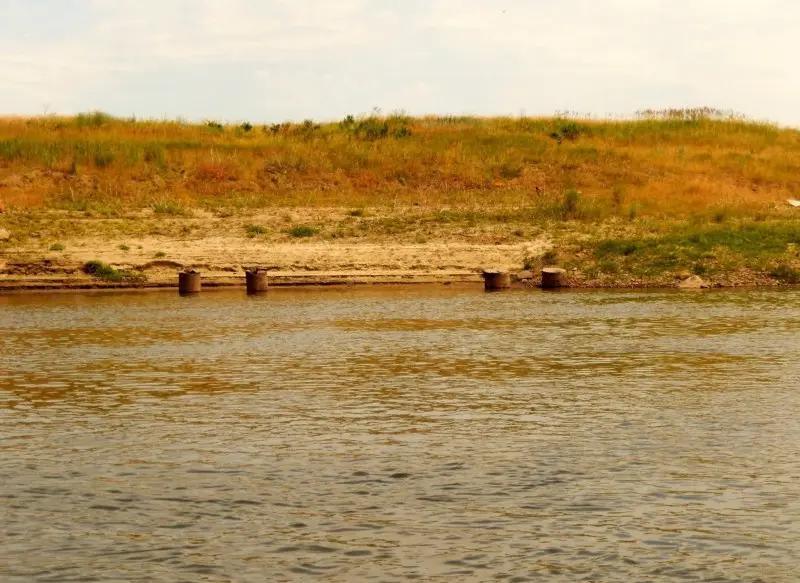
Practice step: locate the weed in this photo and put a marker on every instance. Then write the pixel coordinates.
(697, 247)
(103, 157)
(528, 262)
(356, 213)
(254, 230)
(246, 127)
(785, 274)
(510, 169)
(167, 207)
(569, 206)
(155, 154)
(622, 247)
(159, 255)
(124, 248)
(57, 247)
(618, 196)
(105, 272)
(302, 231)
(550, 257)
(93, 119)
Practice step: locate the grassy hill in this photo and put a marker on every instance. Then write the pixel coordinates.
(666, 164)
(626, 202)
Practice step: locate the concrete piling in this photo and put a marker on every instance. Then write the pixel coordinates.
(554, 278)
(496, 280)
(257, 282)
(189, 282)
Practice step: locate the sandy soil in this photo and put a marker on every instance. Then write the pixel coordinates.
(223, 260)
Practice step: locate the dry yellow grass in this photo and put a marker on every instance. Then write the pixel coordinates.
(665, 165)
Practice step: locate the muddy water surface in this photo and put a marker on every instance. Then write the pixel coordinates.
(428, 434)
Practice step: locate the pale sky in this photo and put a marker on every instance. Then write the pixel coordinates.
(274, 60)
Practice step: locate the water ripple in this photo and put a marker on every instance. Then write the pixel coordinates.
(410, 434)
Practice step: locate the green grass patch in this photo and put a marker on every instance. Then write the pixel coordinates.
(106, 272)
(57, 247)
(701, 248)
(302, 231)
(255, 230)
(786, 274)
(167, 207)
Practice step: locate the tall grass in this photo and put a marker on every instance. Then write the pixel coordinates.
(662, 163)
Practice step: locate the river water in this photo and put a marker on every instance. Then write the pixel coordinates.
(431, 434)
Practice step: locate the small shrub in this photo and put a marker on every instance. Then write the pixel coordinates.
(166, 207)
(254, 230)
(93, 119)
(160, 254)
(786, 274)
(608, 267)
(570, 131)
(246, 127)
(103, 157)
(528, 262)
(550, 257)
(214, 171)
(214, 125)
(569, 206)
(720, 216)
(302, 231)
(104, 271)
(124, 248)
(356, 213)
(154, 154)
(371, 129)
(624, 247)
(510, 169)
(402, 132)
(618, 196)
(57, 247)
(308, 127)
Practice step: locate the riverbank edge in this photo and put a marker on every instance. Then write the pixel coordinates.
(50, 250)
(520, 280)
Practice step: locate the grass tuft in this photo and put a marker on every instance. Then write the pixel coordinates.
(106, 272)
(255, 230)
(167, 207)
(302, 231)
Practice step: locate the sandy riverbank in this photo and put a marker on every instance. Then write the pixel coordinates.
(50, 250)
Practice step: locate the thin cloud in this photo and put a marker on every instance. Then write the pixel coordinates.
(280, 59)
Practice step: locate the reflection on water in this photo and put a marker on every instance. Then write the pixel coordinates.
(409, 434)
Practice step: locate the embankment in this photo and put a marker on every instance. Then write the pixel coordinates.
(644, 202)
